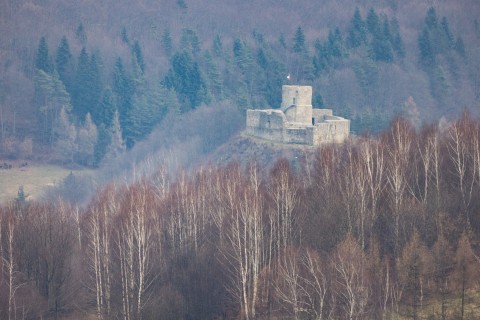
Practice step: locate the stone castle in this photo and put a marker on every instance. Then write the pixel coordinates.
(297, 121)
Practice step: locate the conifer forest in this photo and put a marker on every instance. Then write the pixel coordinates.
(184, 217)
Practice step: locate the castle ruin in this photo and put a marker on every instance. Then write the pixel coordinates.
(297, 121)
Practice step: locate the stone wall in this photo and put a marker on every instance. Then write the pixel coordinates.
(333, 130)
(296, 95)
(266, 124)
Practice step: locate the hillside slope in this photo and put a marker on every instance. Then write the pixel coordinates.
(369, 61)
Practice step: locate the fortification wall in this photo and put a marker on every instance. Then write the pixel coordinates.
(266, 124)
(298, 135)
(319, 115)
(299, 114)
(333, 130)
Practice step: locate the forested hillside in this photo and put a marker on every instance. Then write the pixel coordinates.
(83, 81)
(383, 226)
(376, 228)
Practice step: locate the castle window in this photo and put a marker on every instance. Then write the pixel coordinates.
(294, 101)
(313, 121)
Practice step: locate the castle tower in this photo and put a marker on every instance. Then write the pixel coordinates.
(297, 103)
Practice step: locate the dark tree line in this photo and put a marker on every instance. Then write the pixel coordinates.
(375, 228)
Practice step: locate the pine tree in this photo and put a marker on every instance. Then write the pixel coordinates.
(335, 44)
(63, 60)
(217, 46)
(460, 47)
(87, 87)
(281, 41)
(138, 55)
(381, 43)
(215, 82)
(397, 41)
(357, 33)
(299, 41)
(373, 22)
(185, 78)
(189, 41)
(446, 35)
(43, 60)
(431, 20)
(95, 88)
(123, 87)
(124, 35)
(106, 108)
(427, 56)
(167, 42)
(81, 35)
(55, 98)
(80, 92)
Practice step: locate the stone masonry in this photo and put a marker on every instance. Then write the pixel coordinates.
(297, 121)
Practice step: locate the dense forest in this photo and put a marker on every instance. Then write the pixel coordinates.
(83, 82)
(374, 228)
(383, 226)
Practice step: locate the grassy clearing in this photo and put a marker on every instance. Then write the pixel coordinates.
(34, 178)
(432, 309)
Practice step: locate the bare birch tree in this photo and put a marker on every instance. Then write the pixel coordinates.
(351, 288)
(245, 240)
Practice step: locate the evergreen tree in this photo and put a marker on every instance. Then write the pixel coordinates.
(299, 41)
(123, 87)
(87, 87)
(382, 47)
(167, 42)
(214, 76)
(357, 33)
(242, 56)
(335, 45)
(217, 46)
(21, 199)
(427, 56)
(138, 55)
(106, 109)
(80, 92)
(42, 60)
(397, 41)
(446, 35)
(81, 35)
(333, 48)
(282, 41)
(431, 20)
(95, 88)
(185, 78)
(189, 41)
(55, 98)
(262, 59)
(124, 35)
(373, 22)
(63, 60)
(460, 47)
